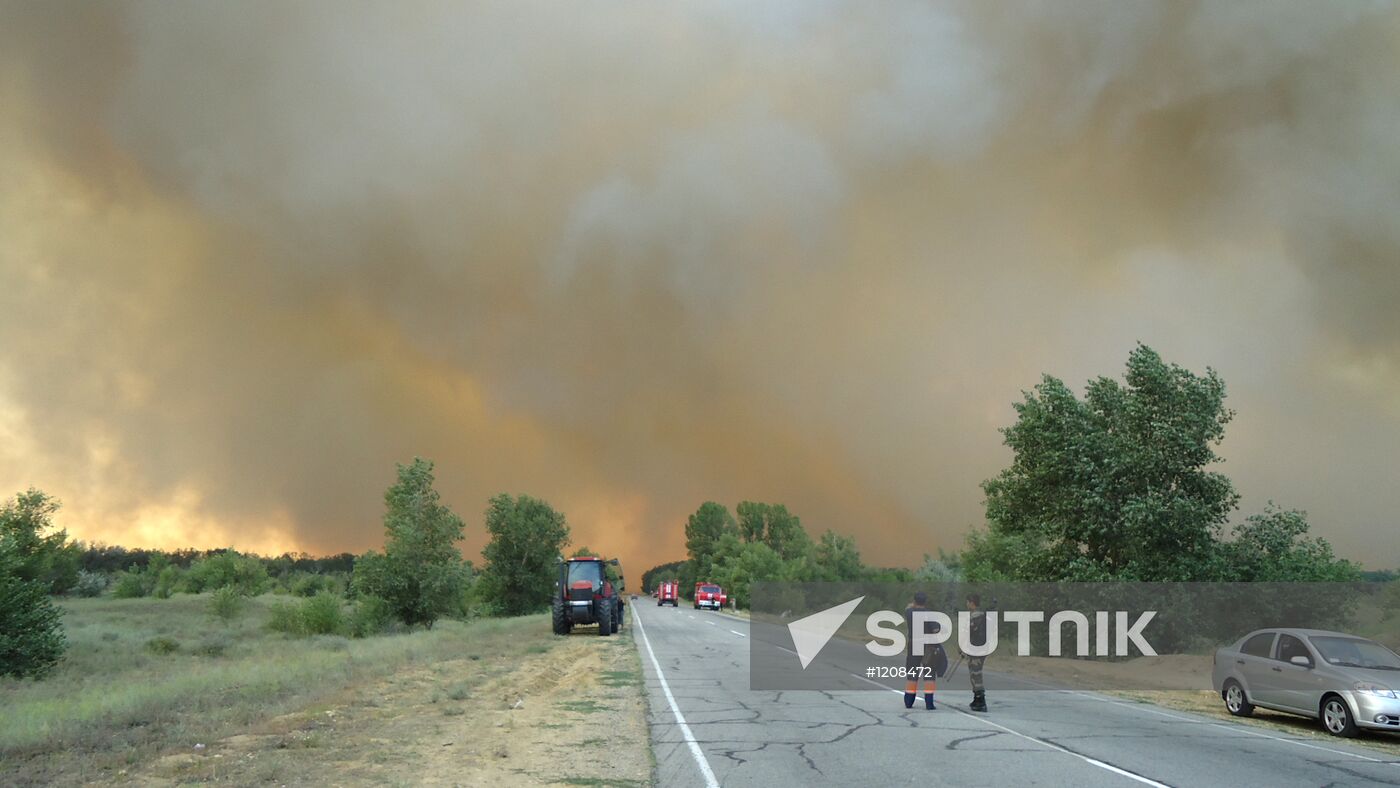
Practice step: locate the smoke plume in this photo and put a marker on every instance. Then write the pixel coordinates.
(632, 257)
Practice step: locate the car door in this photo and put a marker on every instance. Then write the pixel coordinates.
(1253, 661)
(1299, 687)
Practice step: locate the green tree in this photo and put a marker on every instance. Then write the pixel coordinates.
(40, 552)
(837, 558)
(527, 537)
(1114, 486)
(420, 573)
(1274, 547)
(246, 574)
(31, 634)
(775, 526)
(703, 530)
(754, 561)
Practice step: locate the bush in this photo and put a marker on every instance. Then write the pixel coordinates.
(243, 572)
(31, 636)
(131, 584)
(226, 604)
(91, 584)
(310, 585)
(211, 646)
(167, 580)
(284, 617)
(163, 645)
(371, 616)
(321, 615)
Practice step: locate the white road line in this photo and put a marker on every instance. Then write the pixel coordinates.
(737, 632)
(699, 755)
(1091, 761)
(711, 623)
(1240, 727)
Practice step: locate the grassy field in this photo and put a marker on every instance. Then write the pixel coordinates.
(147, 676)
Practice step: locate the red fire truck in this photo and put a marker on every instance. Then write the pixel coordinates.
(669, 593)
(709, 595)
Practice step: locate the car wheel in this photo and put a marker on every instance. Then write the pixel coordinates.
(1336, 717)
(1235, 701)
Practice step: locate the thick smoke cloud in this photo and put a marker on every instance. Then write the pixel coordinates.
(635, 257)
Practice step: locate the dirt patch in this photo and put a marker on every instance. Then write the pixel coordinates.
(570, 713)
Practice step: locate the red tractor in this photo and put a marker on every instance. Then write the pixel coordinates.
(588, 591)
(669, 593)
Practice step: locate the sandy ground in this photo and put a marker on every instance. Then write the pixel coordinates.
(573, 714)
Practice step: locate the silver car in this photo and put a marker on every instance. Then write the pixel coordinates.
(1345, 681)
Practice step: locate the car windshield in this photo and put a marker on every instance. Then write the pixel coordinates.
(709, 589)
(1356, 653)
(586, 570)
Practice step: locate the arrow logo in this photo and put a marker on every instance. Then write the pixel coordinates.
(810, 634)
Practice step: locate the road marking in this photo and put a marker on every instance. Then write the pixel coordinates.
(1091, 761)
(695, 751)
(711, 623)
(737, 632)
(1240, 727)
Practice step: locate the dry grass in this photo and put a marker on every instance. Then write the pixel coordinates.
(115, 702)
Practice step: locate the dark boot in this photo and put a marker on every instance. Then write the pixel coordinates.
(909, 699)
(928, 701)
(979, 701)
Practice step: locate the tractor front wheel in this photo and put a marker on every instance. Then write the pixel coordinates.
(561, 622)
(604, 617)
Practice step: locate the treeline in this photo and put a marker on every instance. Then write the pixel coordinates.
(110, 559)
(763, 541)
(418, 578)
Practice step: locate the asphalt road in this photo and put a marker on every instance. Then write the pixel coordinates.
(708, 728)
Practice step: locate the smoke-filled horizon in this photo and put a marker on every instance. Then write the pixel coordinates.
(631, 258)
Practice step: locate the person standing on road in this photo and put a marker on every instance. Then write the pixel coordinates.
(922, 663)
(977, 636)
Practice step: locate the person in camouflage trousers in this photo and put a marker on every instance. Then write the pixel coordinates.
(977, 636)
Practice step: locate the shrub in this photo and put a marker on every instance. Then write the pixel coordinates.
(211, 646)
(321, 615)
(31, 636)
(131, 584)
(310, 585)
(226, 604)
(91, 584)
(244, 572)
(166, 582)
(370, 617)
(284, 617)
(163, 645)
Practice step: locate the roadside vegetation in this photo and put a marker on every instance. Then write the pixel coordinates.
(109, 655)
(146, 676)
(1118, 485)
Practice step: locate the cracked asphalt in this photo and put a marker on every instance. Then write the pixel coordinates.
(867, 737)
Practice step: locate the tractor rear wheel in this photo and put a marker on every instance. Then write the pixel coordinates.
(604, 617)
(617, 618)
(561, 624)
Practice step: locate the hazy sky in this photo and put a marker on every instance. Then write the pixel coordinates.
(628, 257)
